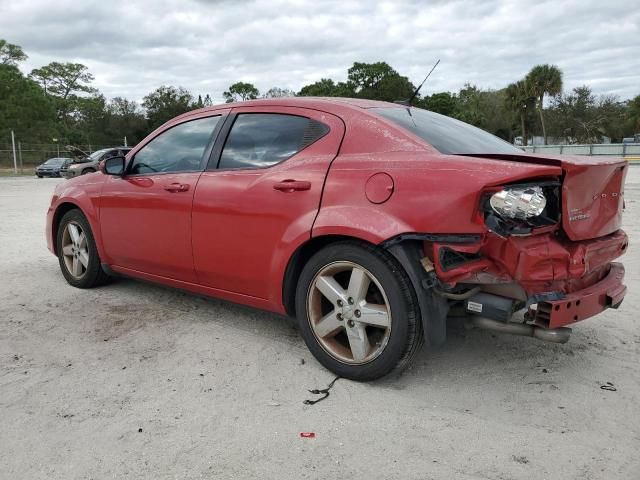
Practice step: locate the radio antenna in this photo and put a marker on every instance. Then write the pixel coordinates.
(415, 94)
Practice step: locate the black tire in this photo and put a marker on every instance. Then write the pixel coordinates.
(406, 335)
(87, 170)
(94, 275)
(39, 176)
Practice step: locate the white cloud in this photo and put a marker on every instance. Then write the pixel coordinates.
(134, 47)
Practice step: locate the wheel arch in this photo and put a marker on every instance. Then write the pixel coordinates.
(68, 204)
(407, 252)
(60, 211)
(298, 260)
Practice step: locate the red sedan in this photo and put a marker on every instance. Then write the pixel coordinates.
(370, 222)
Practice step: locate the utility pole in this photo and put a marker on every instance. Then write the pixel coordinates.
(13, 143)
(20, 156)
(125, 141)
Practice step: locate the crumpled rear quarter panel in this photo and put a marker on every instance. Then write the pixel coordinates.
(432, 193)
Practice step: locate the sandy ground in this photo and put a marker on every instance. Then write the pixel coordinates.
(136, 380)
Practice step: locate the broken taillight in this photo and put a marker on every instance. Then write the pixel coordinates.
(519, 208)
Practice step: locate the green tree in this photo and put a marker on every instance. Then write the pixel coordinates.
(378, 81)
(326, 87)
(544, 79)
(241, 91)
(469, 105)
(11, 54)
(520, 100)
(164, 103)
(582, 117)
(633, 116)
(203, 102)
(64, 79)
(445, 103)
(612, 115)
(87, 120)
(575, 116)
(497, 118)
(24, 108)
(66, 84)
(486, 109)
(124, 118)
(277, 92)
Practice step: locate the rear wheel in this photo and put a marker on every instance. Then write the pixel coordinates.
(77, 252)
(357, 311)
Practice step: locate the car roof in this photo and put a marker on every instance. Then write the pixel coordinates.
(328, 104)
(311, 102)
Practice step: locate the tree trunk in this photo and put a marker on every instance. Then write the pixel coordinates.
(544, 130)
(524, 129)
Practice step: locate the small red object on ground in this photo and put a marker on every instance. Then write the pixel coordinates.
(307, 435)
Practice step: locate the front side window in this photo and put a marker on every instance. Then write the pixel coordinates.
(259, 140)
(178, 149)
(445, 134)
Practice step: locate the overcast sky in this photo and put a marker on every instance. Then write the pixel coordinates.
(134, 46)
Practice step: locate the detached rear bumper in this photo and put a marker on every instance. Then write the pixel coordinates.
(582, 304)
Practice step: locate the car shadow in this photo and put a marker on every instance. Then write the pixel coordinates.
(477, 355)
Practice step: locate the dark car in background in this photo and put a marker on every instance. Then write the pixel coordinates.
(89, 163)
(52, 167)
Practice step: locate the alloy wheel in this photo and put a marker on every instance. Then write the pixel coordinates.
(75, 250)
(349, 312)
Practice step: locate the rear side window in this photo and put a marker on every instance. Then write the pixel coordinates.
(445, 134)
(178, 149)
(259, 140)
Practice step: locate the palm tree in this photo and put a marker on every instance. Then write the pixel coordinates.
(544, 79)
(520, 99)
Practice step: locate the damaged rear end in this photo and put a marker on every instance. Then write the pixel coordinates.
(548, 249)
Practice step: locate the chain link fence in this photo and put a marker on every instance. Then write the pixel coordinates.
(28, 155)
(611, 149)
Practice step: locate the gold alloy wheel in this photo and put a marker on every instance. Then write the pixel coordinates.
(349, 313)
(75, 250)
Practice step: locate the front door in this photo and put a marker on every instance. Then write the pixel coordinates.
(260, 195)
(145, 216)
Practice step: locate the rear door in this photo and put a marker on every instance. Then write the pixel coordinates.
(145, 216)
(260, 195)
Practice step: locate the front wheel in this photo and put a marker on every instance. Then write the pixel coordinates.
(87, 170)
(357, 311)
(77, 252)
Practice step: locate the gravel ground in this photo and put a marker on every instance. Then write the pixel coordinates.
(138, 380)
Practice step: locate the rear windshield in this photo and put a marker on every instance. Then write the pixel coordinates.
(445, 134)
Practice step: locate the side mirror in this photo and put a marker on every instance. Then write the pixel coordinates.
(113, 166)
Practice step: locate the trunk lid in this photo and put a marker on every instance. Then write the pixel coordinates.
(592, 191)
